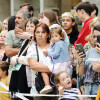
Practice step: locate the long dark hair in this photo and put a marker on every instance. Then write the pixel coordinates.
(11, 23)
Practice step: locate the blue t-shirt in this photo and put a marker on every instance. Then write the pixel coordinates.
(90, 75)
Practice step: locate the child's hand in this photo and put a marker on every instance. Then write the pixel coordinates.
(61, 90)
(82, 89)
(45, 51)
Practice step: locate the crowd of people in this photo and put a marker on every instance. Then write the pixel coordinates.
(39, 55)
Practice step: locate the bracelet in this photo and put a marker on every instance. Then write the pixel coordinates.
(17, 60)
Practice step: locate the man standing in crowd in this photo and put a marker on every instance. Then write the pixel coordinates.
(84, 10)
(27, 7)
(12, 42)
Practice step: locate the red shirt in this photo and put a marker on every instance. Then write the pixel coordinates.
(84, 32)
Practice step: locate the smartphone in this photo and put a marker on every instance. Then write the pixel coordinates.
(98, 38)
(80, 48)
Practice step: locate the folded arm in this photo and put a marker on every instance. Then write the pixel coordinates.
(37, 66)
(10, 51)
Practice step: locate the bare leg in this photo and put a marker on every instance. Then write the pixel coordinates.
(47, 87)
(45, 79)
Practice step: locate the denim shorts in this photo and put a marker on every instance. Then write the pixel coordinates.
(91, 89)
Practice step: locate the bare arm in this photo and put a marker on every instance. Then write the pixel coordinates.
(79, 93)
(37, 66)
(81, 68)
(10, 51)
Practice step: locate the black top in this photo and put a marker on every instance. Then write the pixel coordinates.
(73, 35)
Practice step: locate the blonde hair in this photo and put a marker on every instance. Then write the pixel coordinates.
(89, 37)
(94, 20)
(59, 31)
(4, 31)
(90, 40)
(68, 14)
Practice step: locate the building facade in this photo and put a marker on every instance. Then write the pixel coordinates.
(10, 7)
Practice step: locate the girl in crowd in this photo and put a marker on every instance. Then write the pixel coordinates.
(64, 84)
(3, 76)
(2, 43)
(58, 56)
(5, 24)
(11, 23)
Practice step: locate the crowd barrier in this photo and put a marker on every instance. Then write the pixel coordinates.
(22, 95)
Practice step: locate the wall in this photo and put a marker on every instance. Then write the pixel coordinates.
(4, 9)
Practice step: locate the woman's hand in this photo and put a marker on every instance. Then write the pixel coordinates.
(13, 60)
(24, 35)
(96, 66)
(79, 56)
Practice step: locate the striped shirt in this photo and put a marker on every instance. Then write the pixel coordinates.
(70, 94)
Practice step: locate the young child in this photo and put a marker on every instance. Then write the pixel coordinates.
(3, 76)
(57, 56)
(64, 84)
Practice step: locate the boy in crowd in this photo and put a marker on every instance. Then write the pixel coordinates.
(84, 10)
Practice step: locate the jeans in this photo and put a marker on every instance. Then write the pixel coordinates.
(91, 89)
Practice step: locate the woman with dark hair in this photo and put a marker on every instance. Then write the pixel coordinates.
(49, 18)
(11, 23)
(11, 26)
(42, 40)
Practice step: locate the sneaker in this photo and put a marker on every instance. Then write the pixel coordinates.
(46, 90)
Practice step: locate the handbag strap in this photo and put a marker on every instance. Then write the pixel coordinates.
(38, 73)
(37, 52)
(29, 42)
